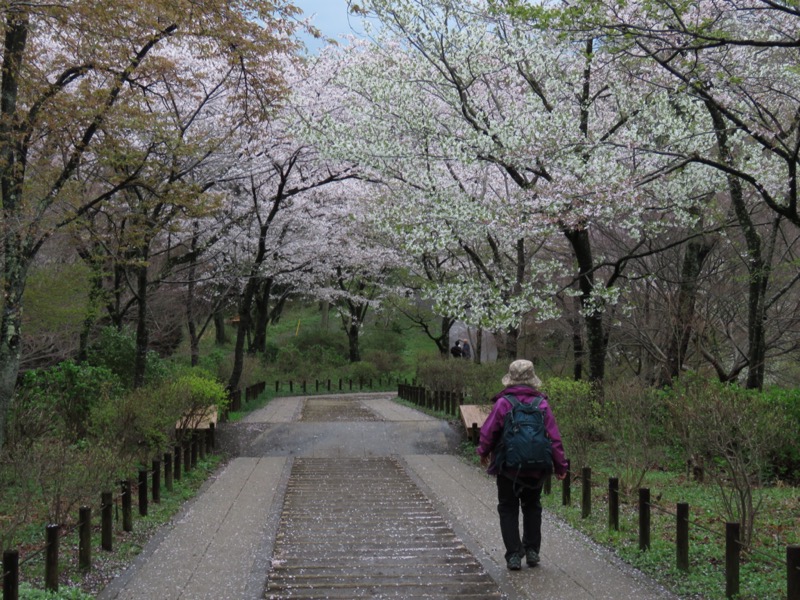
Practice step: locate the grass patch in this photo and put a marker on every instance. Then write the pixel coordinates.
(762, 572)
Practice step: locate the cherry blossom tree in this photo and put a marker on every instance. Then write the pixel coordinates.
(737, 60)
(66, 68)
(509, 129)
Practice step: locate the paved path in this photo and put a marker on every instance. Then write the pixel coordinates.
(237, 539)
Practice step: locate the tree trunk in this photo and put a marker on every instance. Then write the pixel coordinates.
(697, 250)
(353, 342)
(14, 267)
(142, 333)
(758, 268)
(443, 339)
(245, 305)
(578, 350)
(325, 309)
(15, 262)
(194, 339)
(93, 308)
(261, 317)
(220, 334)
(596, 340)
(478, 345)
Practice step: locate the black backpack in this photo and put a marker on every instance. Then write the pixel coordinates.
(524, 444)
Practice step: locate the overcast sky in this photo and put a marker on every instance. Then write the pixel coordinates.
(331, 18)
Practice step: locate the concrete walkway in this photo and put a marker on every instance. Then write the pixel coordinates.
(221, 545)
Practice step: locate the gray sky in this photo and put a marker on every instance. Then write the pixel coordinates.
(331, 18)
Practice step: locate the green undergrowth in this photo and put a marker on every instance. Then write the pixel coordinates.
(763, 570)
(74, 584)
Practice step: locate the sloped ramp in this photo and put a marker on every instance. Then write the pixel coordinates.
(360, 528)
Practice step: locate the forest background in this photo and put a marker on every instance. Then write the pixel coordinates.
(607, 189)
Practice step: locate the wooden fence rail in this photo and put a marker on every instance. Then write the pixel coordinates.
(440, 400)
(733, 545)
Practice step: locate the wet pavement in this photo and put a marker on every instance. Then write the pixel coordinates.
(357, 496)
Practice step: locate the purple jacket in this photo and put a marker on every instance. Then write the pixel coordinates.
(493, 428)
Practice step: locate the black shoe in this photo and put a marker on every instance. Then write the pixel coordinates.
(532, 558)
(514, 562)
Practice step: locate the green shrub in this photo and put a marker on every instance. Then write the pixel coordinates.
(116, 350)
(312, 341)
(61, 476)
(478, 382)
(361, 371)
(386, 362)
(61, 399)
(784, 461)
(634, 421)
(144, 420)
(733, 433)
(579, 417)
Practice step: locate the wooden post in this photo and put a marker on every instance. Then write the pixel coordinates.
(212, 435)
(51, 559)
(732, 550)
(644, 519)
(85, 538)
(613, 503)
(143, 492)
(682, 537)
(10, 575)
(793, 572)
(476, 434)
(127, 506)
(566, 487)
(291, 386)
(586, 489)
(107, 521)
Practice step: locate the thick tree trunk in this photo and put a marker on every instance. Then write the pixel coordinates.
(15, 262)
(759, 268)
(261, 317)
(245, 306)
(596, 340)
(353, 342)
(325, 309)
(578, 350)
(220, 334)
(15, 267)
(443, 339)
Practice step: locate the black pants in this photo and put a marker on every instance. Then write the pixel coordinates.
(526, 494)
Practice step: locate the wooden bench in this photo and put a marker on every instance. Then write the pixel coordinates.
(473, 414)
(198, 419)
